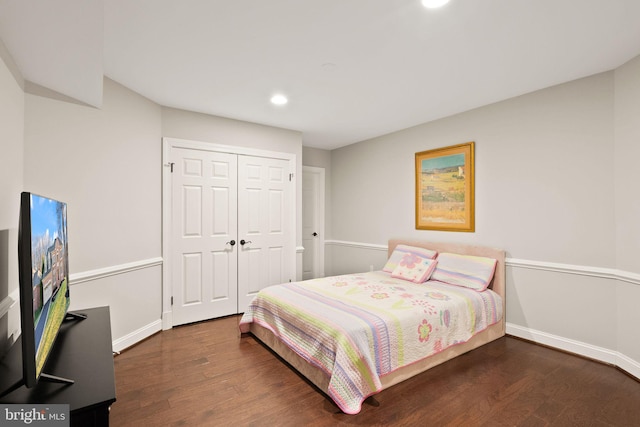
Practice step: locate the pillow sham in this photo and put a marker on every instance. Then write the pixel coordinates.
(401, 250)
(414, 268)
(470, 271)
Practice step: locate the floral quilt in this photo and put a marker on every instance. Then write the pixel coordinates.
(358, 328)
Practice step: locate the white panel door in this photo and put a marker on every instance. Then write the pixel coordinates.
(312, 222)
(264, 225)
(204, 226)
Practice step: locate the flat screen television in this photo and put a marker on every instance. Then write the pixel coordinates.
(43, 261)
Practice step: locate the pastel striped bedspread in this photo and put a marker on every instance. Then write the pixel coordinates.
(358, 328)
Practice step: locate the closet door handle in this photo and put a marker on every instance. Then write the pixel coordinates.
(232, 243)
(242, 242)
(315, 234)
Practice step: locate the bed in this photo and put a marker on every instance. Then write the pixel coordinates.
(355, 335)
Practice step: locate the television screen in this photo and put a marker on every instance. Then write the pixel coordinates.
(44, 279)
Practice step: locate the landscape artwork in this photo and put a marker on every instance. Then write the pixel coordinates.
(445, 189)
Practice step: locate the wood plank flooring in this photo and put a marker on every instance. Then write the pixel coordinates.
(205, 374)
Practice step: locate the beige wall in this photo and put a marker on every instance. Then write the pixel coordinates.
(11, 171)
(627, 191)
(543, 173)
(203, 127)
(105, 164)
(627, 170)
(552, 174)
(11, 137)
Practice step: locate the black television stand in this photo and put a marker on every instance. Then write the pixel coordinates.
(82, 351)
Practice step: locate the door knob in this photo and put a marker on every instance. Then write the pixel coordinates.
(232, 243)
(242, 242)
(314, 234)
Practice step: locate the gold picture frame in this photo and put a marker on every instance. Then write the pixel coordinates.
(445, 189)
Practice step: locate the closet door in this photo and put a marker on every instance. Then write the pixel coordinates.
(264, 225)
(204, 229)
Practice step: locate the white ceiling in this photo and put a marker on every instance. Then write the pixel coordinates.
(352, 69)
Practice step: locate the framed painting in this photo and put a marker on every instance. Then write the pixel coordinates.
(445, 189)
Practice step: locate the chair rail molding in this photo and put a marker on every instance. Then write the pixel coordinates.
(582, 270)
(88, 276)
(359, 245)
(601, 272)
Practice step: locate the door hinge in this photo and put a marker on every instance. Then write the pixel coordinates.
(171, 300)
(290, 177)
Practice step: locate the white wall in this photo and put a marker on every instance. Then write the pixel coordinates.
(11, 145)
(105, 163)
(545, 192)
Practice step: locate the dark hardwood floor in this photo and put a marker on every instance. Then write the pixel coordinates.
(205, 374)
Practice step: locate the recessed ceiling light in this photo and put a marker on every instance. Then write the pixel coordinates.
(279, 99)
(432, 4)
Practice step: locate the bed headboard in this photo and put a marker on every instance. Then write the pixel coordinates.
(498, 284)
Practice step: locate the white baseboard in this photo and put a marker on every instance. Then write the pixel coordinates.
(629, 365)
(137, 335)
(577, 347)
